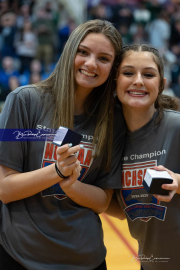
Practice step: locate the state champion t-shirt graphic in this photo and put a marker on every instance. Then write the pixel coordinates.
(138, 203)
(85, 156)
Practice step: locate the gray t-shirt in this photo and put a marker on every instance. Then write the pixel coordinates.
(155, 224)
(48, 230)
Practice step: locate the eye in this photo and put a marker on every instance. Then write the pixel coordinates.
(104, 59)
(82, 52)
(148, 75)
(127, 73)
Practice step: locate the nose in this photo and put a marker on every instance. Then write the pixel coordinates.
(91, 62)
(138, 80)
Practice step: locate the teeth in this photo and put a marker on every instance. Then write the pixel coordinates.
(137, 93)
(88, 74)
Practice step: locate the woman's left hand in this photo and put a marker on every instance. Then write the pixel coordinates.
(67, 183)
(172, 187)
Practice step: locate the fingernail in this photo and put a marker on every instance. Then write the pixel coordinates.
(70, 144)
(81, 146)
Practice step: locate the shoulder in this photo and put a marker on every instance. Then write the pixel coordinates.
(23, 99)
(170, 114)
(25, 94)
(26, 91)
(171, 118)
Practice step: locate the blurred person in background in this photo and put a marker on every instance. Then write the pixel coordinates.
(175, 10)
(24, 15)
(99, 11)
(44, 27)
(13, 83)
(4, 7)
(35, 78)
(175, 33)
(26, 45)
(141, 14)
(175, 70)
(127, 36)
(122, 13)
(170, 60)
(159, 31)
(6, 72)
(64, 32)
(52, 11)
(138, 33)
(155, 7)
(168, 90)
(176, 87)
(7, 34)
(36, 67)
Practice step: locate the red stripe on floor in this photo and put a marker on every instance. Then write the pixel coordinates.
(120, 235)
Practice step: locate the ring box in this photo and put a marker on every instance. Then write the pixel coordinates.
(153, 181)
(65, 135)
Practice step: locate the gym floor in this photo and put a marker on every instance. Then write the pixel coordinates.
(122, 249)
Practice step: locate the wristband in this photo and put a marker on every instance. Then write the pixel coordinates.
(59, 173)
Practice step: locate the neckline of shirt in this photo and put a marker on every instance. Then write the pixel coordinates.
(78, 119)
(141, 131)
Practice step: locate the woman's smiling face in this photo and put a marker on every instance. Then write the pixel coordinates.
(93, 62)
(138, 81)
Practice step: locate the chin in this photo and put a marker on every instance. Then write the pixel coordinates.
(137, 105)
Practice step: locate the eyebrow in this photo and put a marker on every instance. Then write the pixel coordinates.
(129, 66)
(100, 53)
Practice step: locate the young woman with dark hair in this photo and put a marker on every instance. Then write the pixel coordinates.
(152, 142)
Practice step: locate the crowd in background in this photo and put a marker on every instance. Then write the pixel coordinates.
(31, 40)
(32, 36)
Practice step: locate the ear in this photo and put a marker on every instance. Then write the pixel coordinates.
(164, 81)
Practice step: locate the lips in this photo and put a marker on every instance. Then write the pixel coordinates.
(87, 73)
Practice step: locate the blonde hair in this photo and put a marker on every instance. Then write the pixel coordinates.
(61, 86)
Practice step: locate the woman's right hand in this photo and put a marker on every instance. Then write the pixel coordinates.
(67, 160)
(16, 185)
(173, 188)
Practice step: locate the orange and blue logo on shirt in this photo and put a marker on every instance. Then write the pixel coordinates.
(85, 156)
(138, 203)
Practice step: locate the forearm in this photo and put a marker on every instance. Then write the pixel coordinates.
(16, 186)
(115, 210)
(89, 196)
